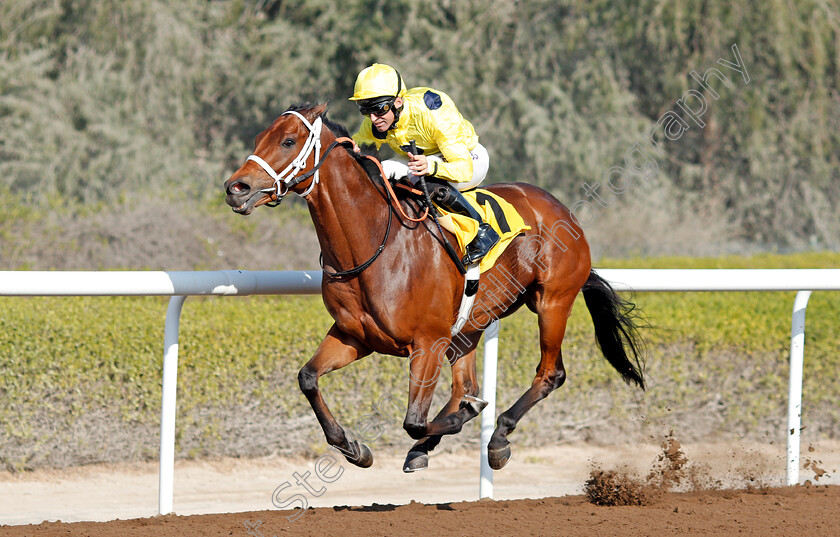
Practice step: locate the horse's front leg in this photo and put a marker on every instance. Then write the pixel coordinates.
(424, 368)
(463, 402)
(335, 351)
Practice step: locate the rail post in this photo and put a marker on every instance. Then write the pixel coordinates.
(168, 404)
(797, 352)
(488, 415)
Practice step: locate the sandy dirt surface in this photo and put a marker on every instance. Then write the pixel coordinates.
(794, 511)
(242, 487)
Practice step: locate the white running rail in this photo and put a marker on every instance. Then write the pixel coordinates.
(179, 285)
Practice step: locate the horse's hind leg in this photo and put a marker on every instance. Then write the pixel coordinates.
(553, 313)
(462, 403)
(335, 351)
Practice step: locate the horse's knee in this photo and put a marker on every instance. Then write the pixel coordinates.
(307, 380)
(415, 429)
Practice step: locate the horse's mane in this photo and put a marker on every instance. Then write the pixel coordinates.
(340, 131)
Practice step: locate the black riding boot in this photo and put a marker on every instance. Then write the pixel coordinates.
(448, 197)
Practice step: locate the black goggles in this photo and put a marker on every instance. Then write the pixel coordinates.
(379, 108)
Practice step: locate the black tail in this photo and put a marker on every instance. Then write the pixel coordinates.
(615, 328)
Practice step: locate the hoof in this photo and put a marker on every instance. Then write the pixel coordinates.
(359, 454)
(475, 404)
(415, 461)
(497, 458)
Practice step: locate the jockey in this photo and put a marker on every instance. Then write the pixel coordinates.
(449, 153)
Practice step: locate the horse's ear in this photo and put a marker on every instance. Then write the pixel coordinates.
(316, 111)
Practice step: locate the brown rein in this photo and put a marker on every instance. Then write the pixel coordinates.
(342, 140)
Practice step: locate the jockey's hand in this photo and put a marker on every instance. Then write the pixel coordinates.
(356, 148)
(418, 164)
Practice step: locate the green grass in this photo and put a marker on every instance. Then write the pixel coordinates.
(61, 358)
(749, 321)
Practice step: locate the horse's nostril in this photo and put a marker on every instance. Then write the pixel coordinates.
(238, 188)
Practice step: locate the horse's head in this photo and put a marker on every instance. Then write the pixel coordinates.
(281, 155)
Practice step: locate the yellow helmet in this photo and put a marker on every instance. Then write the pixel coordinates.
(378, 80)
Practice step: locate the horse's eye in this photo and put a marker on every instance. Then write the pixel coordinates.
(288, 142)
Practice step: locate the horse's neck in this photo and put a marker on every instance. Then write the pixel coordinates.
(348, 211)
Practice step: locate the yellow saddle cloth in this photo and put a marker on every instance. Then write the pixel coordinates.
(497, 212)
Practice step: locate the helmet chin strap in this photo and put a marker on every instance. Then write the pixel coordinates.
(397, 112)
(284, 180)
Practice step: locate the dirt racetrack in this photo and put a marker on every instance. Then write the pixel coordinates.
(348, 506)
(801, 511)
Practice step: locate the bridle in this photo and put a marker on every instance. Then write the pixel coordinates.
(288, 178)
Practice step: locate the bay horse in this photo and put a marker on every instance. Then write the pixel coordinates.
(393, 289)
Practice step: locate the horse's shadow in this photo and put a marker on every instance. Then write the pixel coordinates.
(378, 508)
(375, 508)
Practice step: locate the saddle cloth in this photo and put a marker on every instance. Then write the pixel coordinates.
(497, 212)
